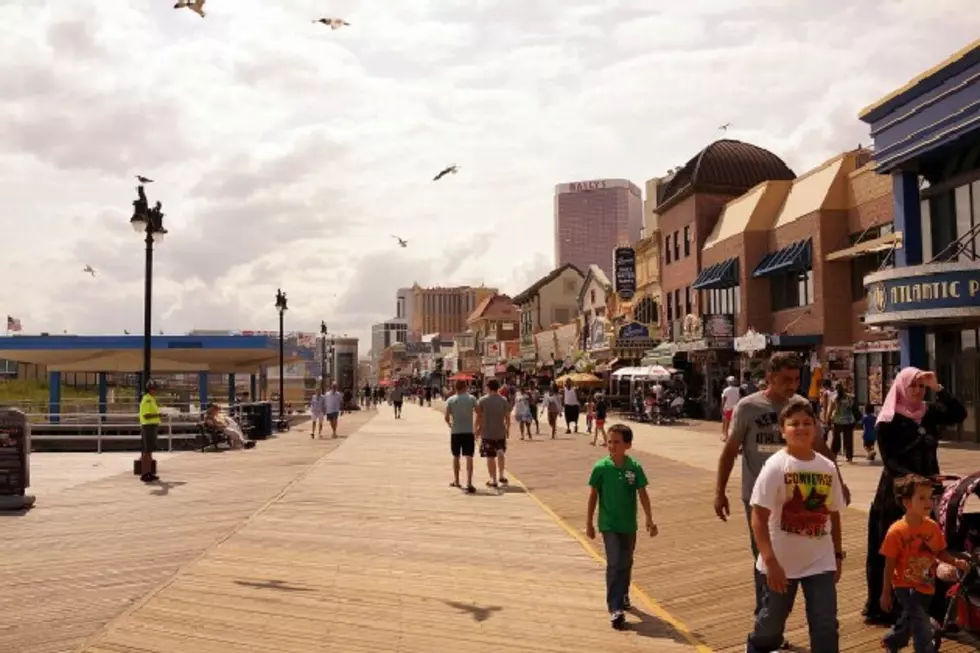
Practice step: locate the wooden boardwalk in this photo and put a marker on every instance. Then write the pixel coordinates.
(89, 550)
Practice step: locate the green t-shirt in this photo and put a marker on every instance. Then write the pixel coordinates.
(148, 406)
(617, 488)
(461, 408)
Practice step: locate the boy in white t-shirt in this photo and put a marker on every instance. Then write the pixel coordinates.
(729, 399)
(796, 505)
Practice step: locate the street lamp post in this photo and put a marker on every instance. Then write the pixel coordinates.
(281, 307)
(323, 356)
(148, 222)
(332, 362)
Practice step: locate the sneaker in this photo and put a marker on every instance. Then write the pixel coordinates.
(504, 481)
(618, 620)
(149, 478)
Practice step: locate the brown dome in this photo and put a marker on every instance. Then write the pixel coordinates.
(725, 166)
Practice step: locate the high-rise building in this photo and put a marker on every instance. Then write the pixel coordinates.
(385, 334)
(592, 218)
(443, 310)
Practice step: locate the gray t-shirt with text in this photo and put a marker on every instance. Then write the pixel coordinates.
(755, 426)
(495, 410)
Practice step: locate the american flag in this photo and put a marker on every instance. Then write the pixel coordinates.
(13, 324)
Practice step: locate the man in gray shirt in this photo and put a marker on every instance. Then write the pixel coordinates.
(459, 417)
(492, 425)
(755, 433)
(397, 397)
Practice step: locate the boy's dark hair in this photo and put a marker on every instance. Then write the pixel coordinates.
(869, 409)
(906, 486)
(493, 385)
(783, 360)
(795, 406)
(624, 431)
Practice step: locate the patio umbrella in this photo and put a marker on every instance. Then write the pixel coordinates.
(580, 378)
(655, 372)
(461, 377)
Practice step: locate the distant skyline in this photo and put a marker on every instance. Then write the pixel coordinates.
(286, 155)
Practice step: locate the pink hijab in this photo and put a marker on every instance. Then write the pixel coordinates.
(897, 401)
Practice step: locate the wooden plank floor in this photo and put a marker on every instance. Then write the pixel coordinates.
(372, 551)
(89, 551)
(698, 568)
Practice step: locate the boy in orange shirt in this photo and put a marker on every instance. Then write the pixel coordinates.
(911, 548)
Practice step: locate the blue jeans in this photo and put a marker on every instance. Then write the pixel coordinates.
(760, 580)
(619, 567)
(913, 623)
(820, 593)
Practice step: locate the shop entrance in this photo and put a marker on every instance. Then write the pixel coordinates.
(957, 362)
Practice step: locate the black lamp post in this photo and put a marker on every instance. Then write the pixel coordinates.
(330, 352)
(148, 222)
(281, 307)
(323, 356)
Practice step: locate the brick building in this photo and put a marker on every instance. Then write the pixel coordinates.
(785, 262)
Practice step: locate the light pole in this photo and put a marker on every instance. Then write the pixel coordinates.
(323, 356)
(330, 353)
(148, 222)
(281, 307)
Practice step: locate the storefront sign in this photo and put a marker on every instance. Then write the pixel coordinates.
(624, 270)
(718, 329)
(930, 292)
(877, 346)
(633, 331)
(751, 342)
(416, 348)
(597, 337)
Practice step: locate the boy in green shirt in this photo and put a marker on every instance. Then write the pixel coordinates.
(616, 481)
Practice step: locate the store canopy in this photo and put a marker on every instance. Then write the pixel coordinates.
(719, 275)
(796, 257)
(651, 373)
(871, 246)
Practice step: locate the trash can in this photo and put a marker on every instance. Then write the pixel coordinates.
(15, 451)
(259, 415)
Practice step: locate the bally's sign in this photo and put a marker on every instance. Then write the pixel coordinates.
(594, 185)
(923, 293)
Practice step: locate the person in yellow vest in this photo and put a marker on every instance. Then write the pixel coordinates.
(149, 428)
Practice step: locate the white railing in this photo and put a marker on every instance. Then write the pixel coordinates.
(167, 421)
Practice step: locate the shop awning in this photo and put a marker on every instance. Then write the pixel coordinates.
(880, 244)
(719, 275)
(798, 256)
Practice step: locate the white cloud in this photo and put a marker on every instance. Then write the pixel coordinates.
(286, 153)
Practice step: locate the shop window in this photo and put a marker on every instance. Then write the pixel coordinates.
(687, 240)
(646, 311)
(942, 226)
(791, 290)
(721, 300)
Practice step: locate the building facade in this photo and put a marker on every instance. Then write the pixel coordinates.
(443, 310)
(927, 144)
(495, 324)
(385, 334)
(549, 301)
(592, 218)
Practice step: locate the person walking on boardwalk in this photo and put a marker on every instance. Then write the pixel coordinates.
(617, 481)
(333, 404)
(318, 410)
(571, 405)
(149, 430)
(462, 438)
(755, 433)
(492, 427)
(397, 397)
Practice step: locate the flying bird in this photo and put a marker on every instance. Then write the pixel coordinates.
(403, 243)
(143, 180)
(725, 127)
(197, 6)
(125, 332)
(333, 23)
(453, 169)
(90, 270)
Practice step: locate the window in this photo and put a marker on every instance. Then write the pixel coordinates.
(646, 311)
(667, 251)
(791, 290)
(670, 307)
(677, 251)
(687, 240)
(942, 225)
(721, 300)
(677, 304)
(687, 301)
(569, 286)
(592, 297)
(561, 315)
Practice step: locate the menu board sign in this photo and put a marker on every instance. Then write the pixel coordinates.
(624, 271)
(14, 449)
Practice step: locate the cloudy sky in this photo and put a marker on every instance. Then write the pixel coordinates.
(286, 154)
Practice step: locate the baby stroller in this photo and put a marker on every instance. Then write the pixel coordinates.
(962, 531)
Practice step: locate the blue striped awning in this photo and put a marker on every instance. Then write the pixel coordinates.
(794, 258)
(719, 275)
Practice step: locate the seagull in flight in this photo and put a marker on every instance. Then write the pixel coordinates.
(197, 6)
(403, 243)
(453, 169)
(143, 180)
(725, 127)
(333, 23)
(89, 269)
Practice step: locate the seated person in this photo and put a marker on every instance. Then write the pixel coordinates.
(214, 420)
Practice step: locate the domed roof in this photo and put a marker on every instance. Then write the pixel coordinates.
(725, 166)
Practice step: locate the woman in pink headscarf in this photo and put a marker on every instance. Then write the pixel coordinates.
(908, 431)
